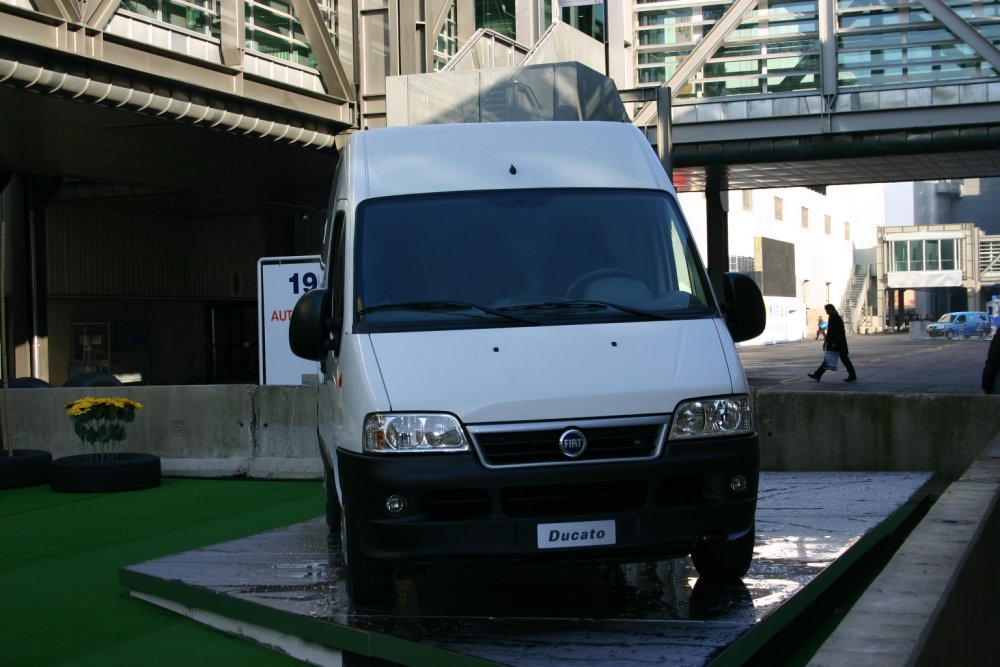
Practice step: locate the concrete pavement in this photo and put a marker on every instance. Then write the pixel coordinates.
(885, 363)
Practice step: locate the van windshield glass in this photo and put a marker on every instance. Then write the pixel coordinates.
(521, 258)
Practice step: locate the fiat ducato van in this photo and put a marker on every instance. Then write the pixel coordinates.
(524, 357)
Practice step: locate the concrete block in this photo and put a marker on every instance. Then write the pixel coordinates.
(866, 431)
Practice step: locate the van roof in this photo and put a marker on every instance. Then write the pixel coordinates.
(493, 156)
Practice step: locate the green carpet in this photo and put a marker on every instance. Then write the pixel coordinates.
(60, 600)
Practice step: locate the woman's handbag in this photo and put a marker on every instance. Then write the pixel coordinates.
(830, 360)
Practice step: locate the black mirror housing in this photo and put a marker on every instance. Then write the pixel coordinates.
(744, 308)
(310, 326)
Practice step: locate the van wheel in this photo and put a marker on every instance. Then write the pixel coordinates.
(332, 502)
(366, 579)
(948, 334)
(720, 562)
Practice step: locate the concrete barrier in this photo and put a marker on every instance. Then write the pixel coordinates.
(270, 431)
(197, 431)
(835, 430)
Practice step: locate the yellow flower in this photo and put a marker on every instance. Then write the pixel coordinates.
(82, 406)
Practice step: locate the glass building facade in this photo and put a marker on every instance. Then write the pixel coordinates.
(776, 48)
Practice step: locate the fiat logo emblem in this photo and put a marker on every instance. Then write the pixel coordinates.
(572, 443)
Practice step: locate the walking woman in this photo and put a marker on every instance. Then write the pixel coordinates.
(836, 341)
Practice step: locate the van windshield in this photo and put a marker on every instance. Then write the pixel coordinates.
(524, 258)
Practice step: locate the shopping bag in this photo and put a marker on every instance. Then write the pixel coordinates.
(830, 360)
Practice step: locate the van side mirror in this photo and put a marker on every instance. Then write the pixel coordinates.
(311, 326)
(743, 306)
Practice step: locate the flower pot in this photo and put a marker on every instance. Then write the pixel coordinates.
(27, 467)
(83, 473)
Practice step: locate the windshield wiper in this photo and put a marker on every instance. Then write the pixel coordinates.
(571, 305)
(444, 306)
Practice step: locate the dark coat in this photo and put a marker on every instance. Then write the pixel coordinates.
(992, 366)
(836, 335)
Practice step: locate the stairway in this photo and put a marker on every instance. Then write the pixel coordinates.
(856, 297)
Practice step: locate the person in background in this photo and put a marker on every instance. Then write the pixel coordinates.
(836, 341)
(991, 371)
(820, 328)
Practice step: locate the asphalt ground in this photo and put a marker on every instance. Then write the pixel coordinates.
(885, 363)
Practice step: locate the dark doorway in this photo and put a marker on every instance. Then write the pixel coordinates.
(232, 354)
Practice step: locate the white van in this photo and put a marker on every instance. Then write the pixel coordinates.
(524, 357)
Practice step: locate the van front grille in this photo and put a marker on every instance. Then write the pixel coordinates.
(535, 447)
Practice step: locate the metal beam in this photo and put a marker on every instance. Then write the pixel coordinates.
(232, 14)
(700, 54)
(332, 73)
(965, 32)
(64, 9)
(99, 13)
(828, 48)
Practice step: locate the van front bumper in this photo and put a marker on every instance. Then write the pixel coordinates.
(455, 508)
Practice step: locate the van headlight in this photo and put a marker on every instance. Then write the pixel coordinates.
(413, 432)
(706, 417)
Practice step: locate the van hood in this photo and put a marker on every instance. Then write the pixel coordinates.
(557, 372)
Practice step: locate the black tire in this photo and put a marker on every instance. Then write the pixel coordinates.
(27, 467)
(128, 472)
(93, 380)
(720, 562)
(366, 579)
(332, 502)
(948, 334)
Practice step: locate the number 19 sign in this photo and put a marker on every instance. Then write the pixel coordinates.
(280, 283)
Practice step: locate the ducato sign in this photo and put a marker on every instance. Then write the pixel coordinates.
(576, 534)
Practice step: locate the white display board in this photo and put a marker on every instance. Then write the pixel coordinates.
(280, 283)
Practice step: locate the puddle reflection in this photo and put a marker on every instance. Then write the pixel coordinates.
(550, 594)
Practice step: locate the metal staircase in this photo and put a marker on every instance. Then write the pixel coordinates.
(856, 298)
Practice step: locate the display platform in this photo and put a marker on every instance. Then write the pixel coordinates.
(283, 588)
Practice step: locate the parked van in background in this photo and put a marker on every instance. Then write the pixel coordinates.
(962, 324)
(524, 358)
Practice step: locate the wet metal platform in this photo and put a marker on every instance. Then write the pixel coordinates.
(282, 588)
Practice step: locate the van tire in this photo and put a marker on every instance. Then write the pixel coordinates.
(366, 579)
(720, 562)
(948, 334)
(332, 502)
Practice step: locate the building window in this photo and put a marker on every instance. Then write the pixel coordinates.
(899, 256)
(272, 29)
(949, 254)
(847, 231)
(446, 45)
(805, 218)
(588, 19)
(201, 16)
(779, 209)
(748, 200)
(496, 15)
(827, 224)
(741, 264)
(916, 249)
(929, 255)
